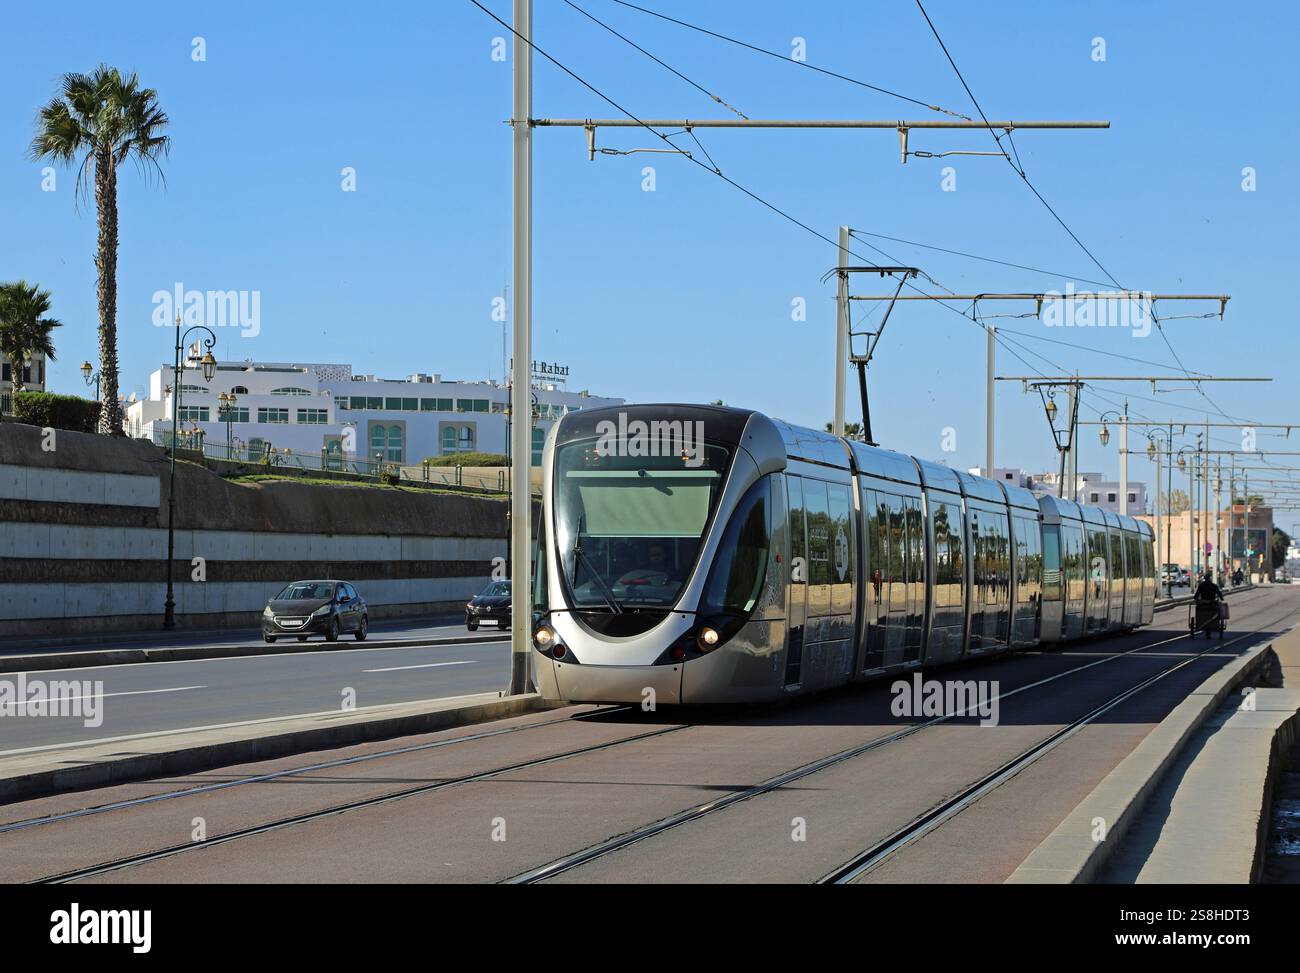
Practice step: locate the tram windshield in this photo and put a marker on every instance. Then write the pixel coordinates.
(629, 528)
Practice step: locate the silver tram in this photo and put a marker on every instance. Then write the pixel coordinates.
(715, 555)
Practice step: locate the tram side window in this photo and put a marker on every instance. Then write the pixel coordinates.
(1052, 562)
(878, 547)
(1000, 558)
(897, 579)
(819, 547)
(1097, 562)
(799, 578)
(736, 578)
(1116, 556)
(948, 572)
(798, 543)
(841, 515)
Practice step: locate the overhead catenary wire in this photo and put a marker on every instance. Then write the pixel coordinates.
(759, 199)
(1021, 172)
(975, 256)
(789, 60)
(661, 63)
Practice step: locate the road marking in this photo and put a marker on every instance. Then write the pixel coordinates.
(442, 701)
(131, 692)
(427, 665)
(305, 654)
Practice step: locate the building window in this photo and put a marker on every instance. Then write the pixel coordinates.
(448, 439)
(290, 390)
(436, 405)
(313, 416)
(232, 415)
(272, 415)
(1110, 498)
(239, 390)
(466, 439)
(471, 405)
(386, 441)
(1095, 498)
(192, 413)
(193, 390)
(341, 402)
(1132, 498)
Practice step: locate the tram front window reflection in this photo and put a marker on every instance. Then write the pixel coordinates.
(628, 528)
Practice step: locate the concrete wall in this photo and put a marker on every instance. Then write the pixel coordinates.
(83, 539)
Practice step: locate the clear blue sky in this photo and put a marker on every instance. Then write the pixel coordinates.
(683, 293)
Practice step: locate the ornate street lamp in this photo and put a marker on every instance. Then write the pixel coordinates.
(209, 365)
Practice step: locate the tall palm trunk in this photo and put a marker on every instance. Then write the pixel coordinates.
(110, 413)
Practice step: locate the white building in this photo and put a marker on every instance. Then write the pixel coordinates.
(33, 380)
(1089, 488)
(316, 408)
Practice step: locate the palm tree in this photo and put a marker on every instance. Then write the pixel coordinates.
(24, 328)
(97, 122)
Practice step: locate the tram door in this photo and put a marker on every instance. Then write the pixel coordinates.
(914, 607)
(796, 604)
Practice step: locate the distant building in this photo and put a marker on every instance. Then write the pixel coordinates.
(318, 409)
(33, 379)
(1089, 488)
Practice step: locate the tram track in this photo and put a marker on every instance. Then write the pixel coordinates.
(895, 842)
(882, 851)
(317, 815)
(289, 772)
(537, 874)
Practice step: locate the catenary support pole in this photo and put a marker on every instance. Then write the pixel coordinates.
(521, 385)
(989, 399)
(1123, 462)
(841, 333)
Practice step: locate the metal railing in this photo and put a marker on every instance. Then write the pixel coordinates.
(280, 459)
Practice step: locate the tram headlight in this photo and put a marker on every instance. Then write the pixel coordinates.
(543, 637)
(707, 638)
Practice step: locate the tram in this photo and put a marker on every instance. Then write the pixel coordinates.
(702, 554)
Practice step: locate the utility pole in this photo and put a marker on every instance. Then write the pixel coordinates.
(1123, 462)
(841, 334)
(521, 385)
(1074, 440)
(989, 398)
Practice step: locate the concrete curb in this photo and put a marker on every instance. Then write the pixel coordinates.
(93, 658)
(1070, 854)
(29, 776)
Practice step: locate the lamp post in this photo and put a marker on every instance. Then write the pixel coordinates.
(91, 377)
(1154, 452)
(209, 365)
(227, 400)
(1104, 435)
(1191, 502)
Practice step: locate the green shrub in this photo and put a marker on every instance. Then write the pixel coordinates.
(46, 409)
(468, 459)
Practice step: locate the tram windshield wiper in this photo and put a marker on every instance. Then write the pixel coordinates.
(580, 557)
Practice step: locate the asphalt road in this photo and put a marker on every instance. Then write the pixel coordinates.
(154, 697)
(400, 629)
(580, 778)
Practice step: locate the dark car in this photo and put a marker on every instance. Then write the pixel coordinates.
(307, 608)
(492, 604)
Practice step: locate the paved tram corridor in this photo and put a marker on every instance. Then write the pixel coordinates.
(502, 800)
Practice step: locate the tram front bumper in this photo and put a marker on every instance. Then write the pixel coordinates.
(608, 684)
